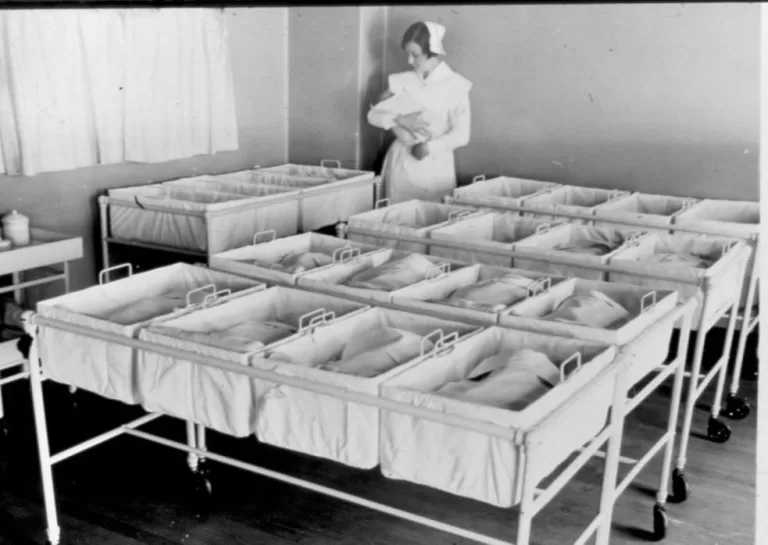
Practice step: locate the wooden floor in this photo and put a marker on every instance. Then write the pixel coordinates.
(130, 492)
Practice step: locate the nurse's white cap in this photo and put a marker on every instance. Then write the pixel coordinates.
(436, 33)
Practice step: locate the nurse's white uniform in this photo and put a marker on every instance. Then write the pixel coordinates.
(444, 95)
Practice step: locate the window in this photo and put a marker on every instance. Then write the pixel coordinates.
(91, 87)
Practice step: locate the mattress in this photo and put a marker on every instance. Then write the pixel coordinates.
(284, 260)
(204, 220)
(413, 218)
(233, 331)
(579, 244)
(358, 353)
(704, 262)
(493, 230)
(606, 312)
(123, 307)
(376, 276)
(482, 467)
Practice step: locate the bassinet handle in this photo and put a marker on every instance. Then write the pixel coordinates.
(543, 228)
(270, 235)
(457, 215)
(319, 320)
(728, 246)
(332, 161)
(309, 318)
(445, 344)
(437, 271)
(346, 255)
(335, 254)
(478, 178)
(256, 167)
(575, 358)
(650, 295)
(201, 289)
(539, 286)
(378, 204)
(102, 274)
(633, 239)
(211, 297)
(437, 332)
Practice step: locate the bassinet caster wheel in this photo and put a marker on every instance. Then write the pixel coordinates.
(736, 408)
(718, 432)
(203, 492)
(660, 522)
(679, 486)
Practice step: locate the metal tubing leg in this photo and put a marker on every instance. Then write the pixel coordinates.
(192, 458)
(41, 430)
(726, 354)
(744, 332)
(526, 506)
(201, 440)
(690, 402)
(104, 232)
(674, 411)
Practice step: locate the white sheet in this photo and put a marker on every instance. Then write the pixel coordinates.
(594, 309)
(394, 274)
(491, 295)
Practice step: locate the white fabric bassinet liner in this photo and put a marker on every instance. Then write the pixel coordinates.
(335, 203)
(285, 259)
(737, 218)
(655, 210)
(413, 218)
(330, 427)
(638, 310)
(579, 244)
(475, 465)
(376, 276)
(215, 398)
(572, 199)
(722, 262)
(477, 292)
(492, 230)
(501, 191)
(322, 172)
(109, 369)
(233, 219)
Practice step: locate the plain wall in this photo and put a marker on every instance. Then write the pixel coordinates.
(323, 89)
(658, 98)
(66, 201)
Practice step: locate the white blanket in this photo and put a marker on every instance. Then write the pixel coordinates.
(246, 336)
(393, 274)
(491, 295)
(296, 262)
(147, 309)
(686, 260)
(586, 247)
(509, 380)
(593, 309)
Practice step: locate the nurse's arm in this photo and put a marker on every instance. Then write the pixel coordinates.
(458, 136)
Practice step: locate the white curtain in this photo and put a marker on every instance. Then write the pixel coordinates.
(86, 87)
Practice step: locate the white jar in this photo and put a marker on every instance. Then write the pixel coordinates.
(16, 228)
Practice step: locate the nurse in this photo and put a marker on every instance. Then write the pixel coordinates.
(420, 162)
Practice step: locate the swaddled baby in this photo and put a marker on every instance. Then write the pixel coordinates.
(295, 262)
(393, 275)
(373, 352)
(493, 294)
(586, 247)
(510, 380)
(687, 260)
(246, 336)
(149, 308)
(593, 309)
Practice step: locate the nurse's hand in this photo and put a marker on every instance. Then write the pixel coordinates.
(411, 122)
(384, 96)
(419, 151)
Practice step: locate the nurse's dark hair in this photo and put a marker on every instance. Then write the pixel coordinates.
(418, 33)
